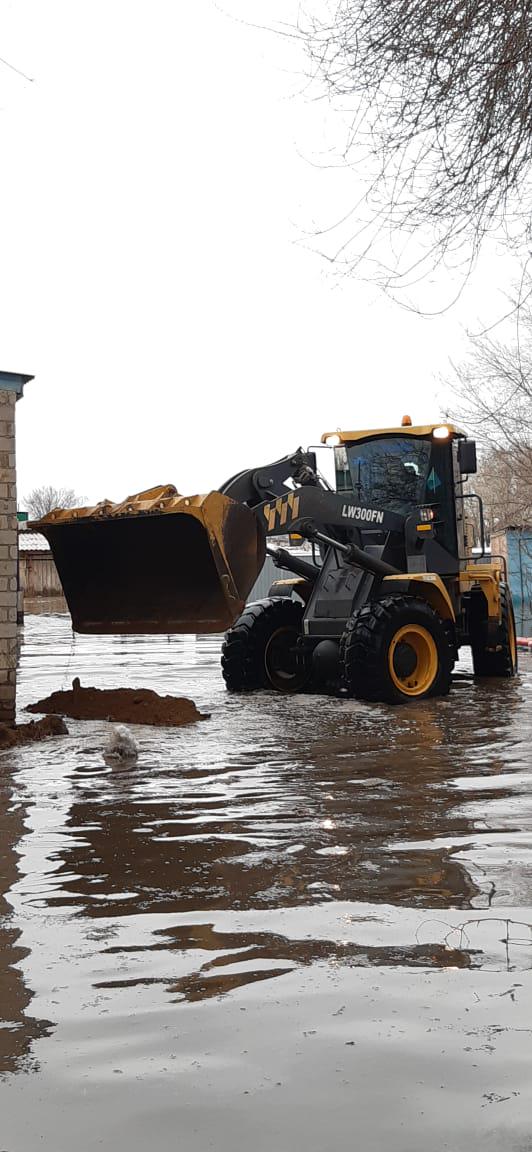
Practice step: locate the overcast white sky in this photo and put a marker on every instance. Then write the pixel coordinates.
(154, 190)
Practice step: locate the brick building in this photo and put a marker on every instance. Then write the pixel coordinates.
(11, 389)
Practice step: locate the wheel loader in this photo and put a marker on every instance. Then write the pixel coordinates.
(387, 593)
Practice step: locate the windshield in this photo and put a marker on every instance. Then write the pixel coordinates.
(390, 473)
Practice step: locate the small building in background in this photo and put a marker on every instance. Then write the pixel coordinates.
(38, 575)
(515, 546)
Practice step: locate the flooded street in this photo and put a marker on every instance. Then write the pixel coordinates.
(301, 925)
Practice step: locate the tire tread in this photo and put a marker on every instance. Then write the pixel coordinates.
(364, 648)
(244, 643)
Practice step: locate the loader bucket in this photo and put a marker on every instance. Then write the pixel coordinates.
(157, 563)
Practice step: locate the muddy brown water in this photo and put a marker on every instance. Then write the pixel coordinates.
(301, 925)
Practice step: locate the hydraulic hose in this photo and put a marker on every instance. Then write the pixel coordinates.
(355, 555)
(284, 559)
(351, 552)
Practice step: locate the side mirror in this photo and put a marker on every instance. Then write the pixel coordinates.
(467, 457)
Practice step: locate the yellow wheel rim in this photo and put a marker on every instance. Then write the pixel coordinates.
(413, 660)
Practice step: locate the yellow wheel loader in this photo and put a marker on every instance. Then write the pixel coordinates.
(377, 609)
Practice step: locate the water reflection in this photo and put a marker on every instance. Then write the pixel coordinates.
(270, 807)
(45, 606)
(17, 1029)
(355, 811)
(245, 952)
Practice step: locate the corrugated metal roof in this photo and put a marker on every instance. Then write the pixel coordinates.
(32, 542)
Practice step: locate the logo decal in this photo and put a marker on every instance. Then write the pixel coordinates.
(370, 515)
(277, 514)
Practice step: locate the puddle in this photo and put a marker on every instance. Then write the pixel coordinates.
(313, 898)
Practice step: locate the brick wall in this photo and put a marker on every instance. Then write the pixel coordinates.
(8, 558)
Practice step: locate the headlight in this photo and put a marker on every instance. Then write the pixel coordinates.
(441, 433)
(333, 441)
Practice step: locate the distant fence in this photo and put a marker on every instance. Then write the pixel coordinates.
(38, 575)
(515, 545)
(264, 582)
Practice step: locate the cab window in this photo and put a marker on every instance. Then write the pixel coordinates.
(389, 473)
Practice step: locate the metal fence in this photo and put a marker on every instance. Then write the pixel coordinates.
(264, 582)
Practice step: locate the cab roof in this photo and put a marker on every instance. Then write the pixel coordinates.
(419, 430)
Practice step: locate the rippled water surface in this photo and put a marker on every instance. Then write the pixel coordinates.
(303, 924)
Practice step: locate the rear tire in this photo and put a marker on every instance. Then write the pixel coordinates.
(258, 650)
(503, 662)
(397, 650)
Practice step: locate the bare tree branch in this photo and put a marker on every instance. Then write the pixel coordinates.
(42, 500)
(438, 100)
(492, 390)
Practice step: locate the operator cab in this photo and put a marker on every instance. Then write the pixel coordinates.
(407, 468)
(387, 473)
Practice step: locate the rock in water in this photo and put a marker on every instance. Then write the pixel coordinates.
(121, 745)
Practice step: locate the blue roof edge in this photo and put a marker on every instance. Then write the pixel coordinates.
(14, 382)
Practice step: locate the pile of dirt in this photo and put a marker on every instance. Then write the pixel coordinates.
(123, 705)
(35, 730)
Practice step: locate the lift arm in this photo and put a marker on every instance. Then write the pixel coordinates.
(317, 506)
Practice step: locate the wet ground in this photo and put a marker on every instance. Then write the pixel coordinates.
(299, 926)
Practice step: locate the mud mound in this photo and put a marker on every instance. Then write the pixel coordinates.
(35, 730)
(124, 705)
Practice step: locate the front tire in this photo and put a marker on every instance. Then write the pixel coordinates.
(259, 651)
(397, 650)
